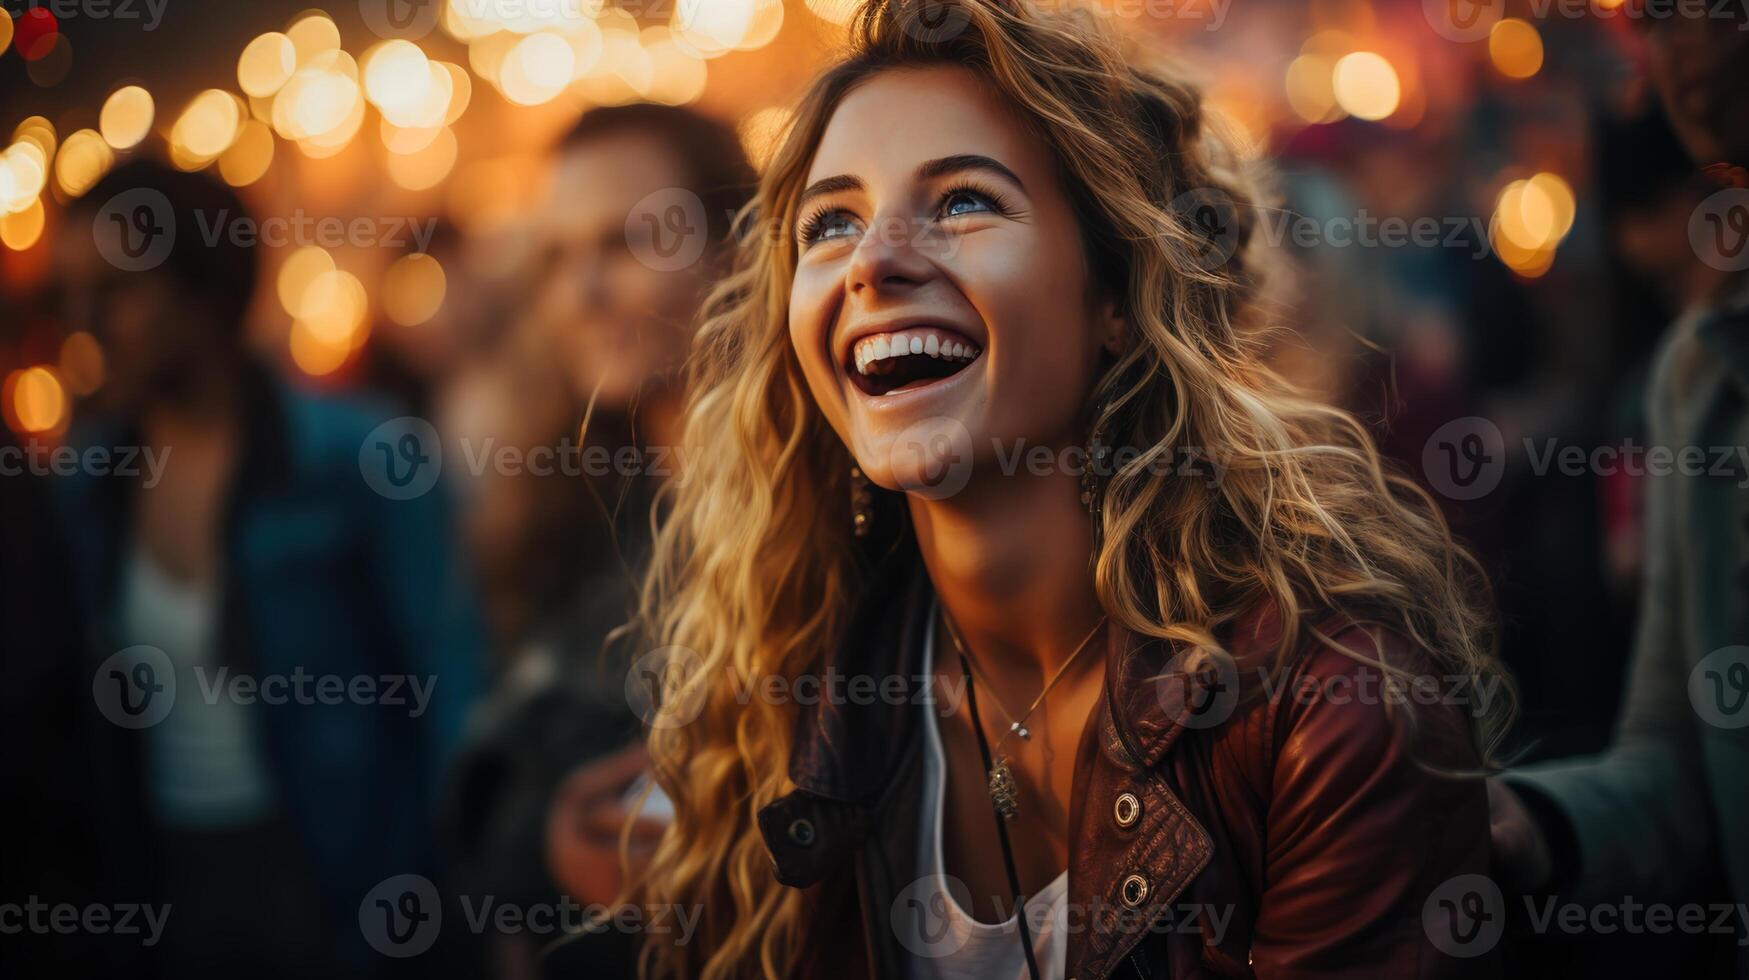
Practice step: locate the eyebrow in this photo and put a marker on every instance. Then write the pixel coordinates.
(929, 170)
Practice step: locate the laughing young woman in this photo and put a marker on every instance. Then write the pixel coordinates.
(1171, 719)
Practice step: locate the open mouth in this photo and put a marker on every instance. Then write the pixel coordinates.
(905, 360)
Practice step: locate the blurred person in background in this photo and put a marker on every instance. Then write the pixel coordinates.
(255, 553)
(589, 385)
(1665, 807)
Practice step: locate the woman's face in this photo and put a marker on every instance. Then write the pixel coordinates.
(941, 309)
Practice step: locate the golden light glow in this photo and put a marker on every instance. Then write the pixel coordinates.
(1562, 205)
(537, 69)
(312, 355)
(761, 132)
(427, 167)
(677, 77)
(84, 158)
(1311, 90)
(320, 101)
(22, 229)
(1531, 217)
(37, 401)
(266, 64)
(299, 269)
(311, 34)
(767, 21)
(332, 308)
(209, 125)
(399, 81)
(24, 171)
(126, 117)
(400, 139)
(709, 28)
(249, 157)
(413, 288)
(1515, 48)
(833, 11)
(81, 363)
(5, 33)
(38, 130)
(1365, 85)
(461, 90)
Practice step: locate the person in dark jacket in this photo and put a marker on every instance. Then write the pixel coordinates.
(282, 643)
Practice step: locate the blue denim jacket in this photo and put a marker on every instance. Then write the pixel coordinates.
(321, 576)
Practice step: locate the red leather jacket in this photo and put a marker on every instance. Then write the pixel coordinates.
(1219, 827)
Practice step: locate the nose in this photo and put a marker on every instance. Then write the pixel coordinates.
(888, 260)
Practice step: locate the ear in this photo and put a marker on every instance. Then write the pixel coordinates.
(1114, 327)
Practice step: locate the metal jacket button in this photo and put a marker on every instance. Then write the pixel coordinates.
(1127, 810)
(1134, 890)
(801, 831)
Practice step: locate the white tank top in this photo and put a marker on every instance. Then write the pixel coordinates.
(945, 942)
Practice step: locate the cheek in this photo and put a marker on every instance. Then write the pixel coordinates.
(1031, 293)
(811, 307)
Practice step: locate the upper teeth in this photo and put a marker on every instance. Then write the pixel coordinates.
(879, 347)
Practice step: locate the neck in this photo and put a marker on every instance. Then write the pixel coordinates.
(1010, 560)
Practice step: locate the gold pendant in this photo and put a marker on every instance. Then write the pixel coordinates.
(1002, 789)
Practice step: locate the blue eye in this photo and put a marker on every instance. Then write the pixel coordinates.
(966, 201)
(829, 224)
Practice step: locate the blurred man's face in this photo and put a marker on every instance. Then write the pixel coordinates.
(1700, 66)
(613, 321)
(150, 334)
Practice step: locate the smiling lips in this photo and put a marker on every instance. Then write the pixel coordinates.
(911, 358)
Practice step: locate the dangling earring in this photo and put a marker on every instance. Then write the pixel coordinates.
(861, 503)
(1091, 483)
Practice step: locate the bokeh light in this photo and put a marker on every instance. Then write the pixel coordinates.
(266, 64)
(126, 117)
(1365, 85)
(413, 288)
(1516, 48)
(35, 400)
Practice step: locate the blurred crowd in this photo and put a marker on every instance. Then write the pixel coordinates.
(485, 741)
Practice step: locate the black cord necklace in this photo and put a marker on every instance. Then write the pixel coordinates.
(1001, 825)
